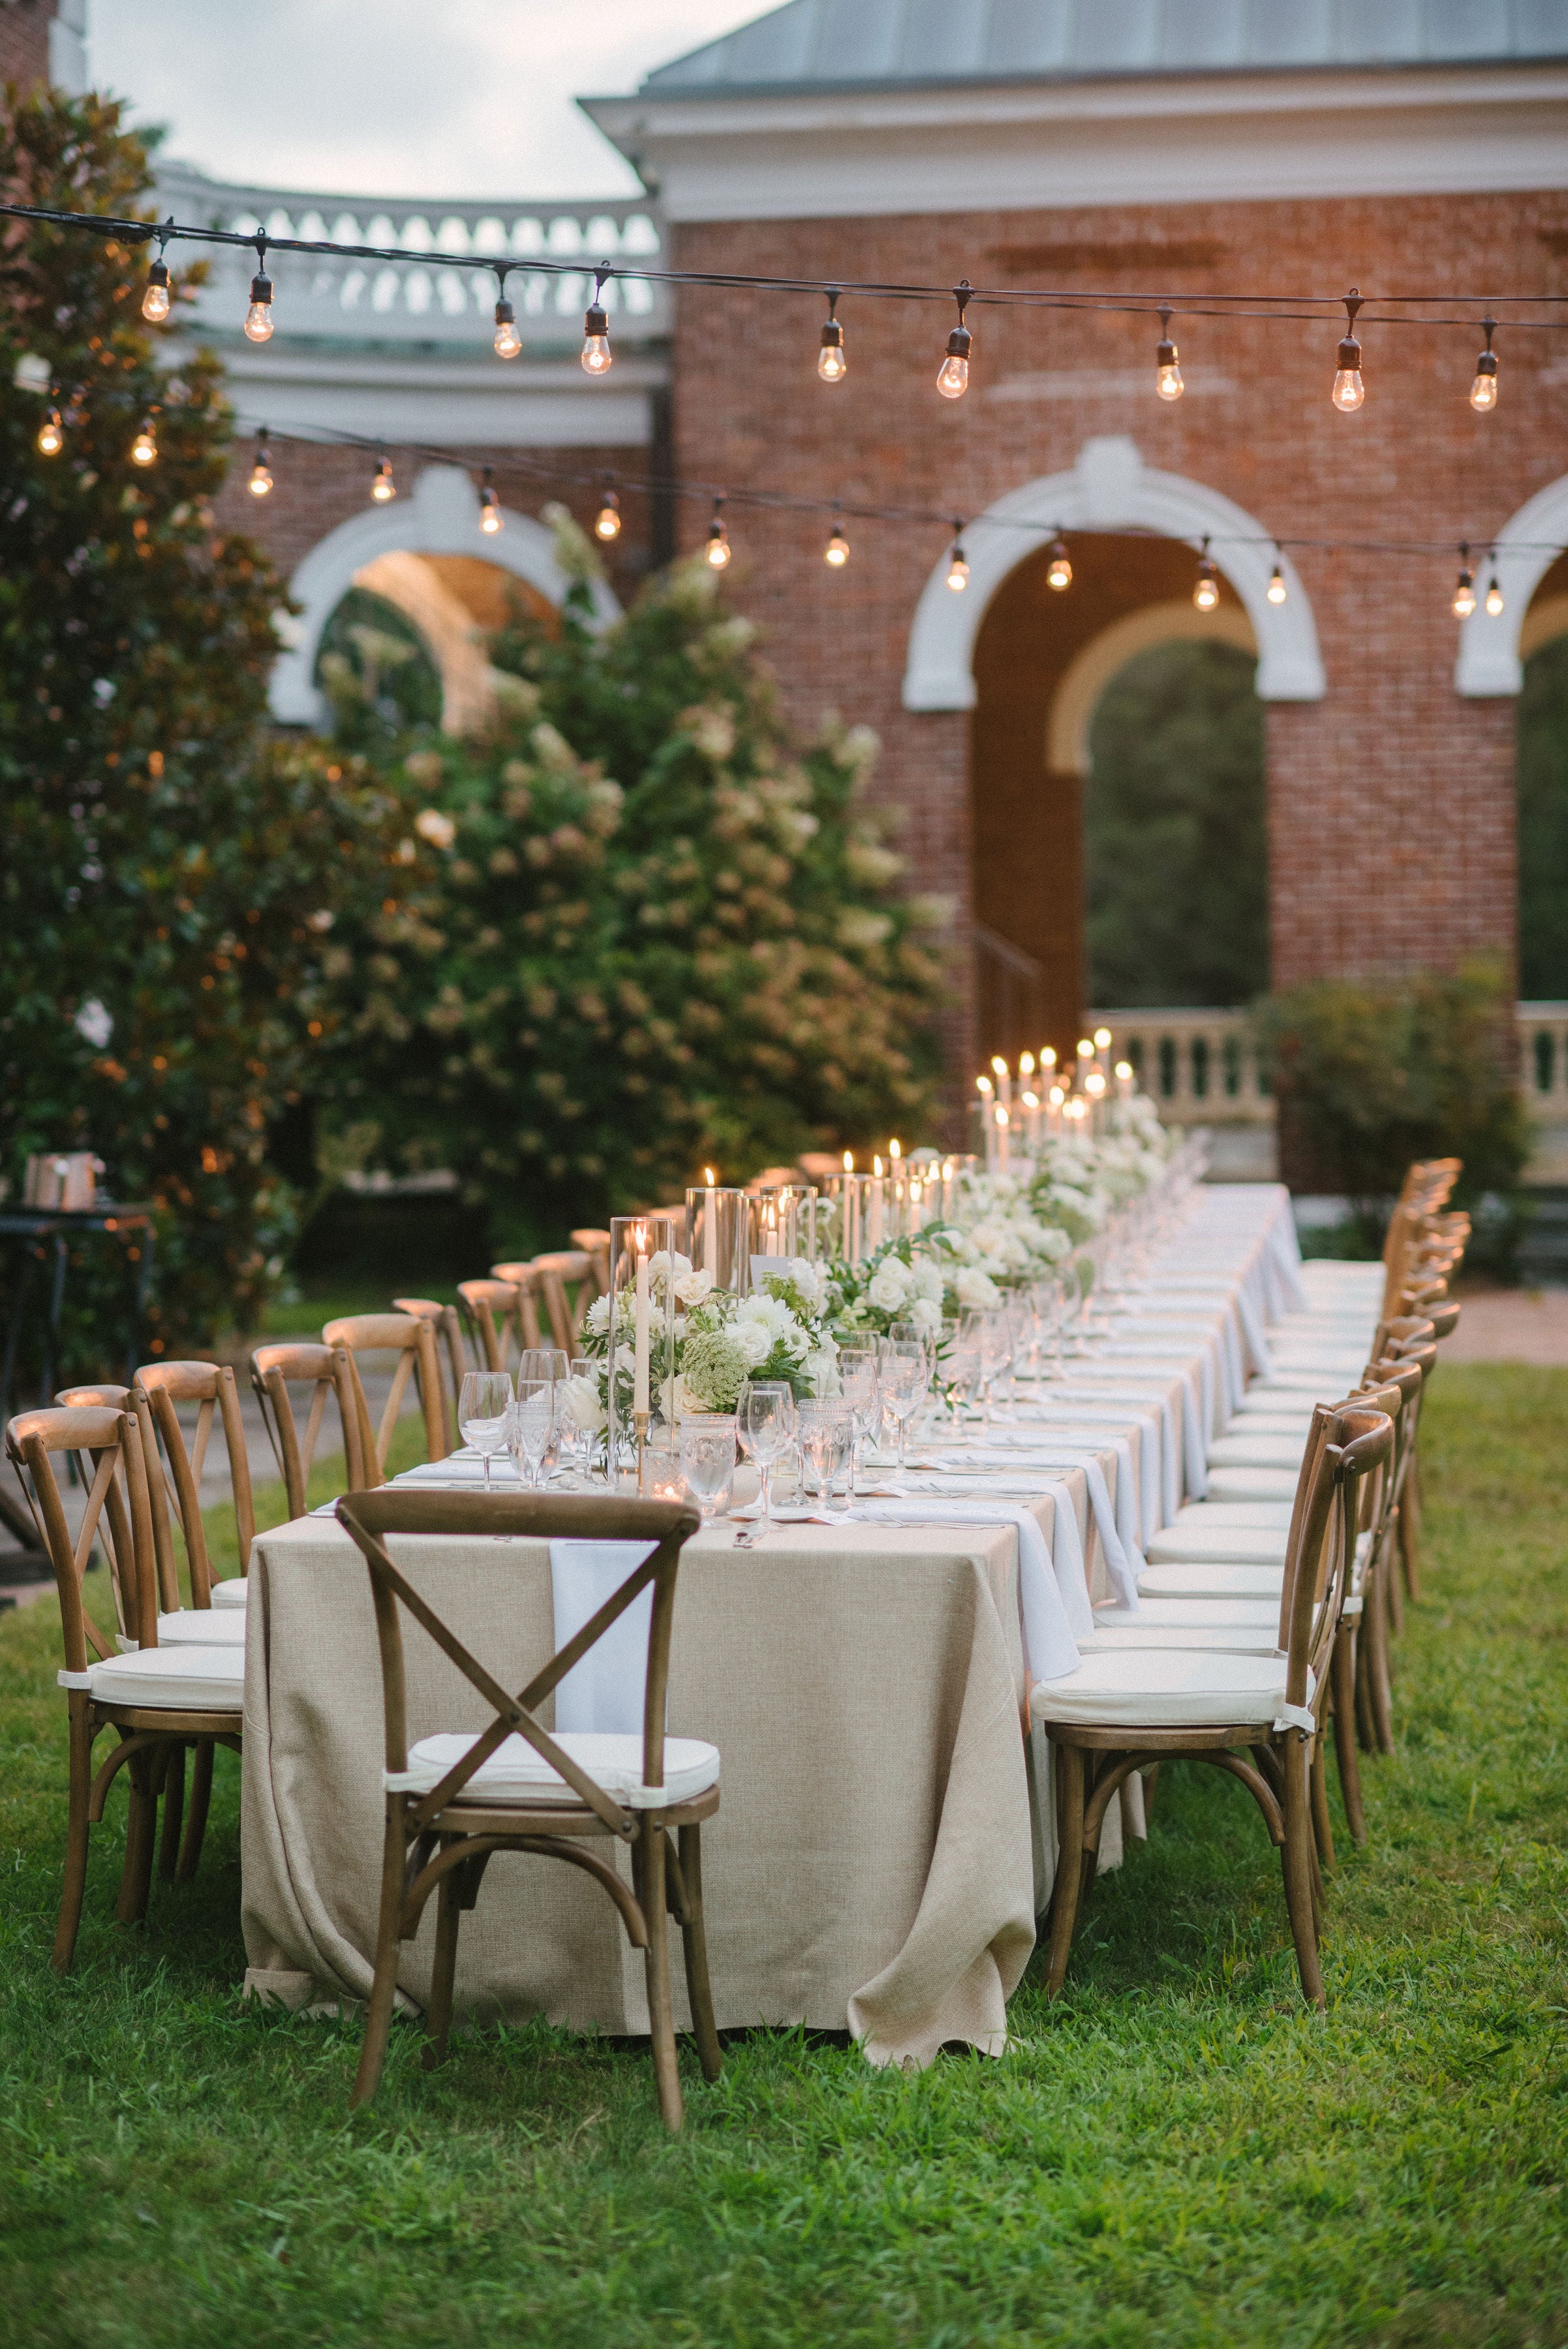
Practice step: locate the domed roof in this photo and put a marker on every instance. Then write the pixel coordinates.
(847, 44)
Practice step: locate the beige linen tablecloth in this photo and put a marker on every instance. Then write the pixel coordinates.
(873, 1865)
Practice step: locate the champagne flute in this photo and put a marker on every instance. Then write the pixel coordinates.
(482, 1411)
(532, 1423)
(765, 1422)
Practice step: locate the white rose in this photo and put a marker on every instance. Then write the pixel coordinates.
(891, 1285)
(928, 1281)
(977, 1292)
(692, 1288)
(926, 1316)
(756, 1342)
(1052, 1243)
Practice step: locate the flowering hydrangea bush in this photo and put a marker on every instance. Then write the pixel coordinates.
(721, 1340)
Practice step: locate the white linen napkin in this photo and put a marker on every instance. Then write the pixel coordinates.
(605, 1690)
(1049, 1647)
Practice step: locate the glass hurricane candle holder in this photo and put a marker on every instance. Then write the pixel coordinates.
(719, 1234)
(784, 1224)
(639, 1385)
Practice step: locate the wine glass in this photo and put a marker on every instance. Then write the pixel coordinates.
(859, 1383)
(708, 1458)
(906, 1374)
(968, 1359)
(542, 1363)
(532, 1424)
(481, 1414)
(827, 1440)
(765, 1422)
(576, 1441)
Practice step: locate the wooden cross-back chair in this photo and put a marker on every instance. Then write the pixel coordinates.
(1262, 1719)
(546, 1281)
(413, 1343)
(450, 1351)
(451, 1802)
(326, 1371)
(160, 1700)
(211, 1387)
(1394, 1387)
(501, 1317)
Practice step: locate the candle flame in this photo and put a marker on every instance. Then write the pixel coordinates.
(1085, 1050)
(1103, 1037)
(708, 1176)
(1057, 1096)
(639, 1239)
(999, 1064)
(849, 1162)
(1026, 1064)
(875, 1166)
(1031, 1101)
(1001, 1117)
(1048, 1056)
(895, 1150)
(1124, 1068)
(983, 1085)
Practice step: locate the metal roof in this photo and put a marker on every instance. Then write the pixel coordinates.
(838, 44)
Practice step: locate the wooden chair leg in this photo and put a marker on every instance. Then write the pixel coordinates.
(1068, 1891)
(1343, 1691)
(1366, 1732)
(384, 1991)
(174, 1812)
(1150, 1781)
(140, 1836)
(660, 2013)
(694, 1940)
(438, 2014)
(1321, 1825)
(1374, 1633)
(1395, 1584)
(77, 1832)
(1297, 1861)
(196, 1812)
(1410, 1532)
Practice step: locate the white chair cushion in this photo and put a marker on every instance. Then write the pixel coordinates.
(1219, 1546)
(1270, 1415)
(1115, 1631)
(1180, 1614)
(1276, 1515)
(233, 1593)
(1175, 1688)
(201, 1627)
(1256, 1451)
(515, 1774)
(191, 1679)
(1205, 1578)
(1253, 1484)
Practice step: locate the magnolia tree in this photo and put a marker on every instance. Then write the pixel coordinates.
(658, 932)
(174, 887)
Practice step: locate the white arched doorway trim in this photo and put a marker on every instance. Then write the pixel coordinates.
(1088, 673)
(442, 517)
(1491, 653)
(1110, 487)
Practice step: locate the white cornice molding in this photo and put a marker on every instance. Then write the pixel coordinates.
(854, 154)
(550, 404)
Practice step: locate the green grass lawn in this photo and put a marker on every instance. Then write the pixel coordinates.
(1177, 2152)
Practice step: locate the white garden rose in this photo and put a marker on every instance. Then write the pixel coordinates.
(927, 1280)
(926, 1316)
(773, 1318)
(891, 1286)
(581, 1397)
(692, 1288)
(976, 1291)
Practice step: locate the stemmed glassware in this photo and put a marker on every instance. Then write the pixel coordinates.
(827, 1442)
(483, 1410)
(532, 1424)
(765, 1422)
(906, 1374)
(860, 1383)
(575, 1439)
(708, 1458)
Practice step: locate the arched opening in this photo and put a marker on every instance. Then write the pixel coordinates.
(1043, 661)
(1175, 832)
(1543, 781)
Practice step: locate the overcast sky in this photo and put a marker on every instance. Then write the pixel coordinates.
(457, 97)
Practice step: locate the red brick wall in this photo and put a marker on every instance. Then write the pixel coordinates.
(1392, 799)
(25, 42)
(317, 485)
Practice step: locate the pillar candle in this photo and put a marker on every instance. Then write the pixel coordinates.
(639, 1360)
(710, 1227)
(874, 1209)
(1002, 1132)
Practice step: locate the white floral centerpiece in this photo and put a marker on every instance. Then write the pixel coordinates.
(721, 1340)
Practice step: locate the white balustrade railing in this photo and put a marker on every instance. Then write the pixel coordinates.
(426, 299)
(1200, 1068)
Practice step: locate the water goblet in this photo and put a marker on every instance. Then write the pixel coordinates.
(708, 1459)
(532, 1424)
(906, 1372)
(765, 1422)
(859, 1383)
(827, 1442)
(481, 1414)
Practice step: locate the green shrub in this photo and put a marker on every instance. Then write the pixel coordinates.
(1372, 1073)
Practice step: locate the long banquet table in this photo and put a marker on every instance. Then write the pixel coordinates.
(886, 1839)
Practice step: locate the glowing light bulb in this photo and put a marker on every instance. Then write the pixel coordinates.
(155, 301)
(1494, 600)
(1167, 373)
(607, 522)
(258, 317)
(952, 376)
(490, 520)
(260, 483)
(1206, 593)
(1349, 392)
(719, 548)
(835, 554)
(51, 434)
(1483, 391)
(1276, 590)
(596, 353)
(832, 364)
(144, 448)
(508, 341)
(1464, 595)
(958, 571)
(1060, 574)
(383, 489)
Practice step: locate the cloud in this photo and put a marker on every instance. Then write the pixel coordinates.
(392, 96)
